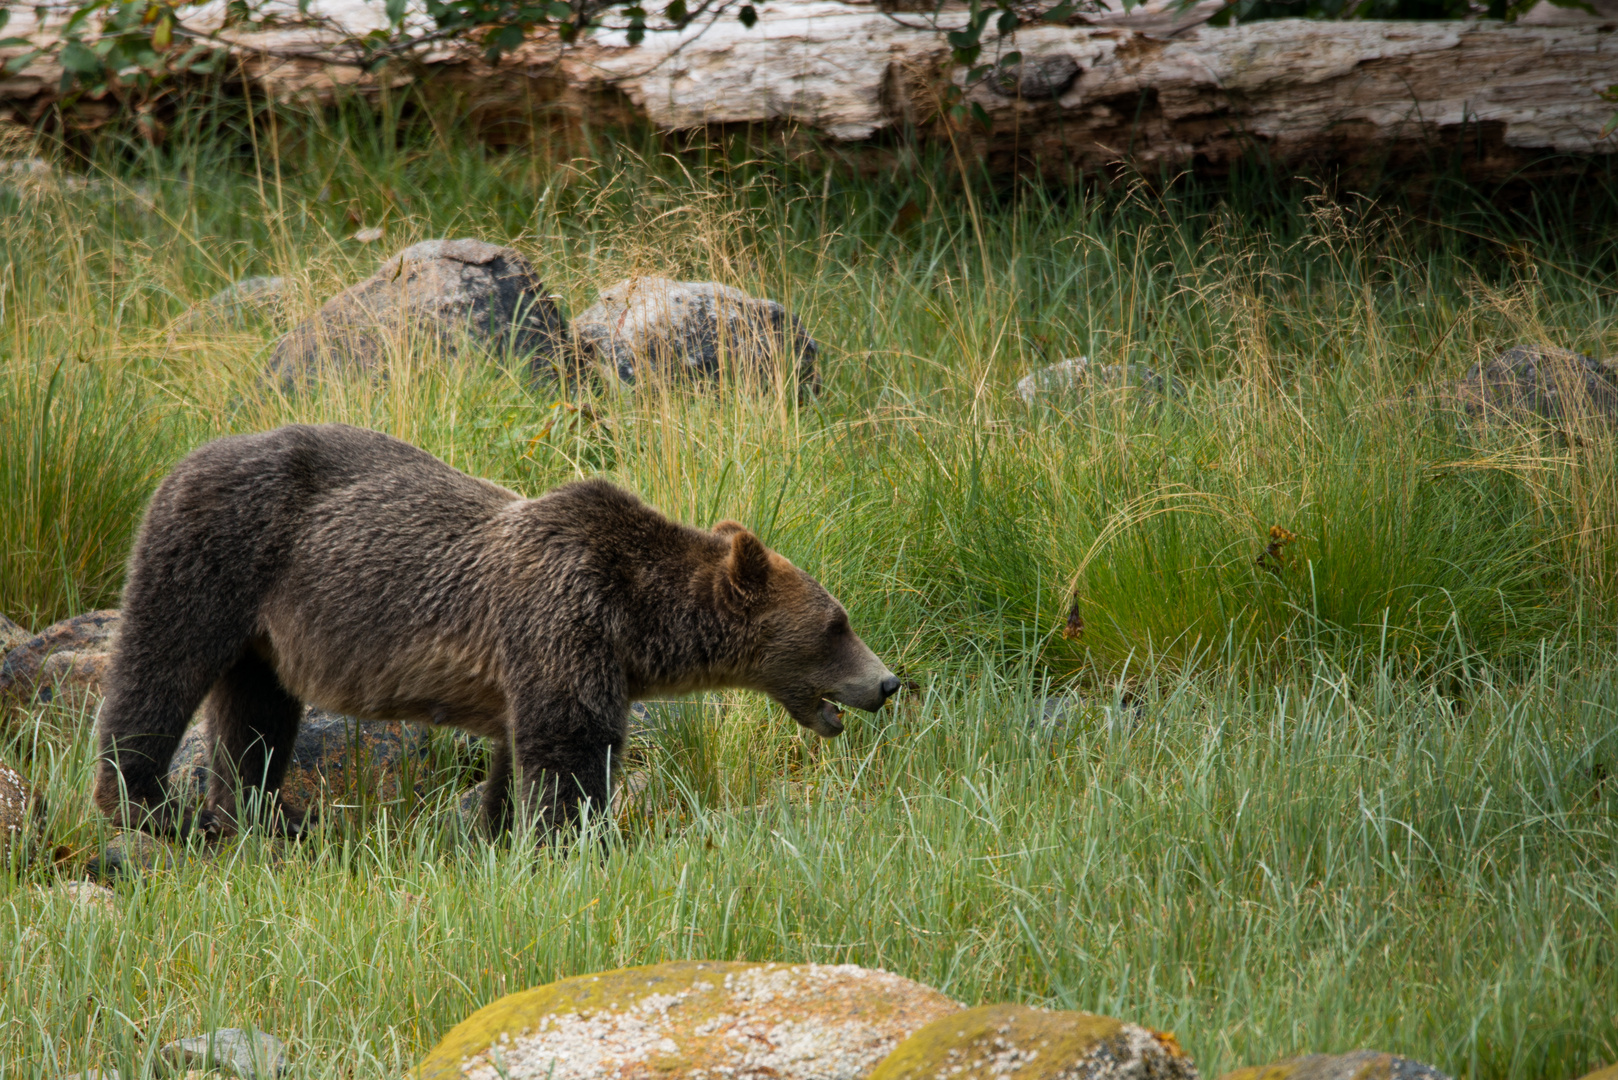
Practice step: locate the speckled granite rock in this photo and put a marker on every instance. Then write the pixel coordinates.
(20, 813)
(1358, 1065)
(1553, 383)
(250, 1055)
(451, 290)
(1079, 376)
(337, 761)
(1016, 1042)
(651, 326)
(68, 659)
(691, 1019)
(84, 894)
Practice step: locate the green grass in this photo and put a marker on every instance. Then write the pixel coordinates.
(1365, 799)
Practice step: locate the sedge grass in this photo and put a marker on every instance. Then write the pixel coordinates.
(1361, 798)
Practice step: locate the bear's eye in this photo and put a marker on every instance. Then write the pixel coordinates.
(838, 627)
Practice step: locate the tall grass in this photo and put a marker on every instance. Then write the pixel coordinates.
(1361, 797)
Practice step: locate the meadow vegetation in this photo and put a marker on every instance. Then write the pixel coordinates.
(1364, 797)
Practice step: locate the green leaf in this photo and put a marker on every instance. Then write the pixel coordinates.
(17, 63)
(395, 10)
(79, 60)
(5, 17)
(13, 42)
(676, 12)
(1061, 13)
(1007, 21)
(748, 15)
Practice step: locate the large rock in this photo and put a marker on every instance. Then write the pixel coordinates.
(449, 291)
(1609, 1073)
(1358, 1065)
(70, 657)
(651, 327)
(1553, 383)
(1016, 1042)
(1079, 376)
(20, 813)
(691, 1019)
(337, 760)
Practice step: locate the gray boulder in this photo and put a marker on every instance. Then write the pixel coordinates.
(451, 292)
(1556, 384)
(651, 327)
(131, 854)
(249, 1055)
(1079, 376)
(337, 760)
(69, 658)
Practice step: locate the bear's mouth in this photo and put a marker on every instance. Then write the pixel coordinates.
(829, 719)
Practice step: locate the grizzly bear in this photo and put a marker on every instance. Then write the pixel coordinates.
(341, 567)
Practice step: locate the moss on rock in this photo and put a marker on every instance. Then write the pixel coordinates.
(1358, 1065)
(1015, 1042)
(706, 1020)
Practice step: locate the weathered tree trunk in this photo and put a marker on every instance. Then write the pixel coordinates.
(1150, 89)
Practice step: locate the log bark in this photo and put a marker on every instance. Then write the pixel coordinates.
(1151, 88)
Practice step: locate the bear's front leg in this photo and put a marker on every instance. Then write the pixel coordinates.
(553, 783)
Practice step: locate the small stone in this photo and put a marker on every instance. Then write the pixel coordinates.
(1035, 78)
(254, 297)
(652, 327)
(85, 894)
(691, 1019)
(130, 854)
(250, 1055)
(991, 1042)
(21, 813)
(1079, 375)
(70, 658)
(453, 291)
(1556, 384)
(1358, 1065)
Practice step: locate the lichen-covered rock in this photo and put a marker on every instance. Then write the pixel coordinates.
(449, 291)
(11, 635)
(20, 812)
(1079, 376)
(691, 1019)
(1609, 1073)
(1553, 383)
(247, 1054)
(70, 658)
(1358, 1065)
(1016, 1042)
(337, 760)
(652, 327)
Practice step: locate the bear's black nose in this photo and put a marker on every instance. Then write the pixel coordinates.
(890, 686)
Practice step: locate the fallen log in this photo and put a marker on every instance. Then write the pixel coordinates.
(1153, 88)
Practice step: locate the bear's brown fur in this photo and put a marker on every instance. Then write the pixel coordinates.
(341, 567)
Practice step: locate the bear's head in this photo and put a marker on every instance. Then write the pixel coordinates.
(800, 650)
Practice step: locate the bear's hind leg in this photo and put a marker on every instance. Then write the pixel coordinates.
(254, 723)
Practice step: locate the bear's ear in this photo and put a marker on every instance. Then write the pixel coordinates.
(746, 572)
(726, 528)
